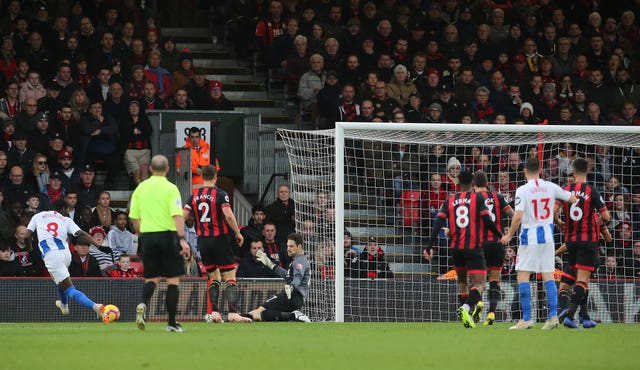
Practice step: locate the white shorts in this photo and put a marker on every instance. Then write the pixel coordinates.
(536, 258)
(57, 262)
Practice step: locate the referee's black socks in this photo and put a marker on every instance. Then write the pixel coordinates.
(172, 303)
(147, 292)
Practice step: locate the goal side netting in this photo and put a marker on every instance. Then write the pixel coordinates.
(367, 193)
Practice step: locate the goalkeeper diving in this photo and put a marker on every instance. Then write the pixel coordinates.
(286, 305)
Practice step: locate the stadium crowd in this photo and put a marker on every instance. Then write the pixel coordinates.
(78, 81)
(460, 61)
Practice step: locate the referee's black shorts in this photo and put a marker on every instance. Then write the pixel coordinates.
(161, 255)
(281, 303)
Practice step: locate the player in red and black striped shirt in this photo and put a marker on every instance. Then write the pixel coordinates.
(499, 208)
(468, 217)
(214, 217)
(581, 236)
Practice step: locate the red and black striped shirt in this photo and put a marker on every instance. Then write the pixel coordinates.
(464, 212)
(579, 223)
(497, 206)
(206, 204)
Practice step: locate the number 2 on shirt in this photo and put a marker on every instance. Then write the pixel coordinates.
(541, 210)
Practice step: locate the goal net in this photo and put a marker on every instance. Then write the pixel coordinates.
(366, 196)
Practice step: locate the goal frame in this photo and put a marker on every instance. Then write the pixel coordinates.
(426, 127)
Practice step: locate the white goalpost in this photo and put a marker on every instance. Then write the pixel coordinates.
(378, 185)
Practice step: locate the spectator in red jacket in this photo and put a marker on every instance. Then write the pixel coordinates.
(124, 269)
(160, 77)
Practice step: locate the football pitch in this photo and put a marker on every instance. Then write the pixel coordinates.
(315, 346)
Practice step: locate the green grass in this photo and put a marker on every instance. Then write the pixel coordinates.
(315, 346)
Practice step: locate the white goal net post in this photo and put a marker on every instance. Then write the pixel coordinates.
(360, 177)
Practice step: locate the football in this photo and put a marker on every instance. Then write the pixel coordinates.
(111, 313)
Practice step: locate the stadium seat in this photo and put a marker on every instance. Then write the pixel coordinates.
(410, 208)
(137, 267)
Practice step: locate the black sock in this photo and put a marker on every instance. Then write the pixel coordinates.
(494, 295)
(214, 293)
(474, 297)
(578, 293)
(232, 296)
(563, 299)
(147, 292)
(172, 303)
(584, 311)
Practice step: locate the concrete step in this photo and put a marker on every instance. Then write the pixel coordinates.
(310, 197)
(186, 39)
(410, 268)
(245, 95)
(219, 63)
(288, 125)
(260, 110)
(228, 70)
(253, 103)
(277, 120)
(213, 54)
(186, 31)
(242, 78)
(199, 46)
(242, 86)
(378, 231)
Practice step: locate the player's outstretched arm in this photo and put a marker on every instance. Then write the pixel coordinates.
(264, 259)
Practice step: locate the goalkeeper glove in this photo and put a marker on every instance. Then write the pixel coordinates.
(264, 259)
(288, 289)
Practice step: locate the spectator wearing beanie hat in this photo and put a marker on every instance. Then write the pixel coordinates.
(171, 57)
(217, 100)
(185, 71)
(400, 86)
(450, 180)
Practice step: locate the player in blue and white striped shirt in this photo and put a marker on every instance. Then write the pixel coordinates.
(52, 228)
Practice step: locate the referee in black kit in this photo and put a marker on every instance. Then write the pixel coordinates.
(156, 213)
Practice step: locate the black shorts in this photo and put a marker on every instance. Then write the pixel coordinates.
(583, 256)
(161, 255)
(469, 260)
(494, 256)
(281, 303)
(217, 253)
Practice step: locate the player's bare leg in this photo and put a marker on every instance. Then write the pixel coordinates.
(232, 297)
(256, 314)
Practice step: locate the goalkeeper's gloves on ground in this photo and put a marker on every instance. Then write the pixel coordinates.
(288, 289)
(264, 259)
